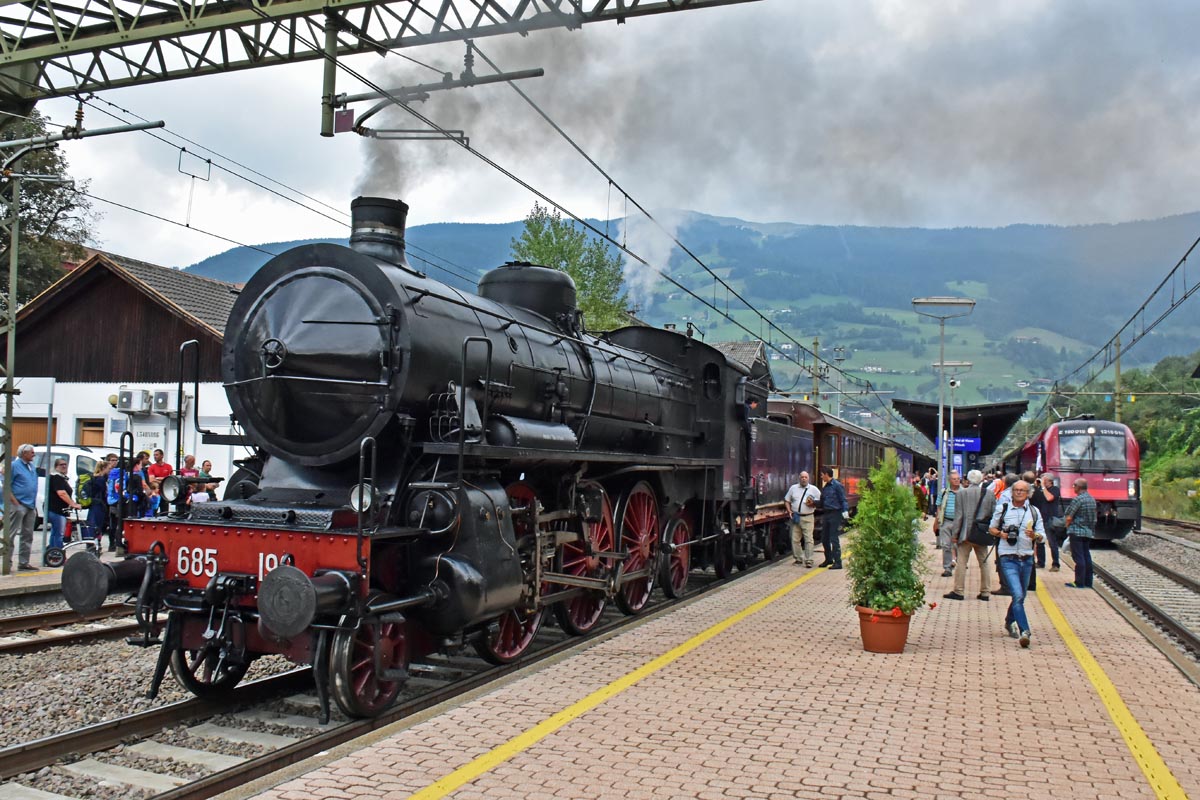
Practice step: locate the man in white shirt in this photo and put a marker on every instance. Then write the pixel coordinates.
(1019, 527)
(801, 500)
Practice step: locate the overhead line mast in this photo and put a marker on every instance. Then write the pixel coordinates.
(58, 48)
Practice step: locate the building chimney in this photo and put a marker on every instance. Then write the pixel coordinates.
(377, 228)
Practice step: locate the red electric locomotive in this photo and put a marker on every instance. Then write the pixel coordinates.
(1102, 452)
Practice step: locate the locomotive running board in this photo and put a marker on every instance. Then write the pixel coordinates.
(528, 454)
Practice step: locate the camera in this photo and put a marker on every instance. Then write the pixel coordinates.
(1011, 534)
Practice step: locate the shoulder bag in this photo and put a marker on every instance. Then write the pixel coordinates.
(978, 533)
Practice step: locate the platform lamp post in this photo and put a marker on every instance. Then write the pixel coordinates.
(942, 309)
(954, 369)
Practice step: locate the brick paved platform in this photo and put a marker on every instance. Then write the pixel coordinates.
(786, 704)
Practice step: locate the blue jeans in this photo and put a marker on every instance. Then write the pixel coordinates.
(58, 526)
(1081, 551)
(1015, 572)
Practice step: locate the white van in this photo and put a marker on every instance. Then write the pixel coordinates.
(80, 461)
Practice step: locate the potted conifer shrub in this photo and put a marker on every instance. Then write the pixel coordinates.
(887, 562)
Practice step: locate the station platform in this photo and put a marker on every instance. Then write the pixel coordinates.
(21, 583)
(761, 689)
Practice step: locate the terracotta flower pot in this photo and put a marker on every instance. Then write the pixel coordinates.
(881, 631)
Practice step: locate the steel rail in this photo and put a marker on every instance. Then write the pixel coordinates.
(35, 643)
(1173, 523)
(1150, 609)
(1161, 569)
(30, 756)
(56, 619)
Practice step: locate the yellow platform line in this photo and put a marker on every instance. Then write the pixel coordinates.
(501, 753)
(1159, 775)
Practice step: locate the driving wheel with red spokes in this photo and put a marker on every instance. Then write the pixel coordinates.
(638, 530)
(366, 667)
(515, 629)
(579, 614)
(677, 556)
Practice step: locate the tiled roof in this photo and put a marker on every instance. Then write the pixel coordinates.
(748, 353)
(208, 300)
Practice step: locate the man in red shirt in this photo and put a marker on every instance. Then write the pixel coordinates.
(158, 470)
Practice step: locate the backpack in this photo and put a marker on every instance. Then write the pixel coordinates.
(83, 490)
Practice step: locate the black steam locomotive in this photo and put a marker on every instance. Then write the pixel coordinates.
(443, 470)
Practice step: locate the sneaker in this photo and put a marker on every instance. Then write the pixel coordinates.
(836, 566)
(1073, 586)
(1054, 568)
(1024, 638)
(1004, 592)
(953, 596)
(985, 598)
(1013, 630)
(808, 563)
(947, 573)
(27, 567)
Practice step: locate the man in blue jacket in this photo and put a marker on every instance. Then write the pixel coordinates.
(836, 510)
(21, 503)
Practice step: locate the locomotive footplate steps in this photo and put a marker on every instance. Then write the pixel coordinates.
(703, 701)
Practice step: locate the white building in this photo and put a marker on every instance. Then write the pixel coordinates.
(98, 354)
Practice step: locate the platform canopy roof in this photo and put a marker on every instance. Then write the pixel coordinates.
(989, 422)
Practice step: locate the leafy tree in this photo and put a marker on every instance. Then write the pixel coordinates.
(55, 220)
(551, 241)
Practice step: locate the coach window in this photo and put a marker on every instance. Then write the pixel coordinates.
(831, 451)
(712, 381)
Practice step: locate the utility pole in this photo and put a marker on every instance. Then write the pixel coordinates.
(839, 355)
(816, 373)
(1117, 384)
(12, 220)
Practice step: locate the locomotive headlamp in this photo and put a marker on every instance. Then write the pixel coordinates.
(1133, 487)
(172, 488)
(362, 497)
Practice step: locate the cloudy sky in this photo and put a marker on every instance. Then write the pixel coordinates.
(877, 112)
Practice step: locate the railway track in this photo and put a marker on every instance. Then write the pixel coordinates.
(248, 715)
(1174, 524)
(55, 619)
(50, 628)
(1169, 599)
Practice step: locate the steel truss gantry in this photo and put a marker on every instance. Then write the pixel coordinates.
(56, 48)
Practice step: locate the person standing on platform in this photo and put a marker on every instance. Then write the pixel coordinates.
(21, 503)
(1019, 527)
(835, 511)
(1081, 527)
(60, 502)
(945, 524)
(801, 500)
(1046, 500)
(932, 485)
(154, 476)
(969, 501)
(1002, 493)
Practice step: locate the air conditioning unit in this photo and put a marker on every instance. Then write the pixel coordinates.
(167, 402)
(134, 401)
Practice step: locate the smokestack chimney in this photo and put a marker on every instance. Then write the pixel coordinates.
(377, 228)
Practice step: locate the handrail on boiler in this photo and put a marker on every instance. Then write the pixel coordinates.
(365, 477)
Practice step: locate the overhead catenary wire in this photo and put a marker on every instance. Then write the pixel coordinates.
(235, 242)
(342, 221)
(1108, 349)
(612, 182)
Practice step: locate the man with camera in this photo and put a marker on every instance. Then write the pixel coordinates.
(1019, 527)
